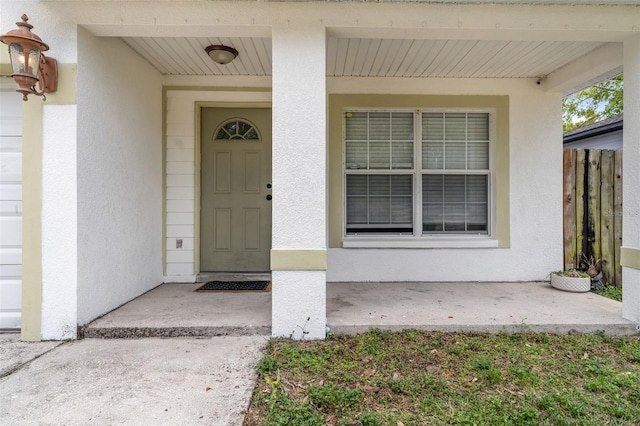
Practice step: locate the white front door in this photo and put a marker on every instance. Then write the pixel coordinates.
(235, 214)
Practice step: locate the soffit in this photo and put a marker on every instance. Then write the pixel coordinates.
(450, 58)
(524, 2)
(186, 55)
(368, 57)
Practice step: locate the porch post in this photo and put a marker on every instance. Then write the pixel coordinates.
(299, 248)
(630, 252)
(59, 223)
(49, 225)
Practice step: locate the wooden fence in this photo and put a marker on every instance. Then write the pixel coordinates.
(593, 211)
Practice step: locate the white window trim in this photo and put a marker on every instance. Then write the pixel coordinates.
(450, 241)
(418, 239)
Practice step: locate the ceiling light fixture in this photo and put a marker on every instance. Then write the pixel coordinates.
(221, 54)
(28, 64)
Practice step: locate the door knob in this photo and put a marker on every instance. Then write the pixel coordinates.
(269, 197)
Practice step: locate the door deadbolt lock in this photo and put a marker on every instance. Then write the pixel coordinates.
(268, 186)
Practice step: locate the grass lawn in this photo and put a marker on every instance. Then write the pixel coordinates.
(427, 378)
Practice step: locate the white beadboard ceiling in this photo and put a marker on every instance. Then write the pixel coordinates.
(449, 58)
(371, 57)
(525, 2)
(186, 56)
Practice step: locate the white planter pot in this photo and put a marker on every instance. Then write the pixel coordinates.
(574, 284)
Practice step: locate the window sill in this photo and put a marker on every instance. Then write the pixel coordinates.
(411, 242)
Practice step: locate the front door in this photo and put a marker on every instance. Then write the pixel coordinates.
(235, 214)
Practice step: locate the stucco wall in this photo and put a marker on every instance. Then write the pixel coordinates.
(119, 175)
(535, 187)
(59, 233)
(631, 181)
(535, 195)
(55, 27)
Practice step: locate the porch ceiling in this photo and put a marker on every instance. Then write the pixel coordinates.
(186, 56)
(369, 57)
(534, 2)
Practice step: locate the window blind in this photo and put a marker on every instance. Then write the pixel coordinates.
(455, 141)
(379, 203)
(379, 140)
(454, 203)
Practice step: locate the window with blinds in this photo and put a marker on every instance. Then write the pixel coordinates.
(379, 162)
(455, 170)
(415, 173)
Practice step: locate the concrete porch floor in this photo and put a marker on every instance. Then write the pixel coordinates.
(177, 310)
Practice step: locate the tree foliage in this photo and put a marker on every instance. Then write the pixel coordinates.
(596, 103)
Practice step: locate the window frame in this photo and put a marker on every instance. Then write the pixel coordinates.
(420, 238)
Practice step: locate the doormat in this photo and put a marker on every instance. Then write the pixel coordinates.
(236, 286)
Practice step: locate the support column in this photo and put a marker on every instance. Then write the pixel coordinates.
(49, 231)
(630, 253)
(31, 320)
(59, 223)
(299, 247)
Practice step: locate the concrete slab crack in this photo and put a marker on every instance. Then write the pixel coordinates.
(19, 366)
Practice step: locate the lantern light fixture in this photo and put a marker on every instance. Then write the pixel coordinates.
(221, 54)
(29, 65)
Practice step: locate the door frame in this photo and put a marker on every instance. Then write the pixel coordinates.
(198, 164)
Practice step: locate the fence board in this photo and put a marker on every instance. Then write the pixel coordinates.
(592, 209)
(617, 216)
(580, 212)
(607, 246)
(593, 205)
(570, 248)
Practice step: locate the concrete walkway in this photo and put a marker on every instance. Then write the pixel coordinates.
(154, 381)
(14, 354)
(209, 380)
(177, 310)
(171, 310)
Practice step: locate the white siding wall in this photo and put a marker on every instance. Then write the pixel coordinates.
(180, 183)
(119, 175)
(611, 140)
(10, 207)
(180, 174)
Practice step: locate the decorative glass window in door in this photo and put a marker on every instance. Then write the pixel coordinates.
(236, 129)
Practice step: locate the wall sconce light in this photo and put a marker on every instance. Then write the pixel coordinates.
(28, 63)
(221, 54)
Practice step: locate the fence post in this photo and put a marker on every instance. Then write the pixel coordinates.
(617, 215)
(607, 216)
(571, 259)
